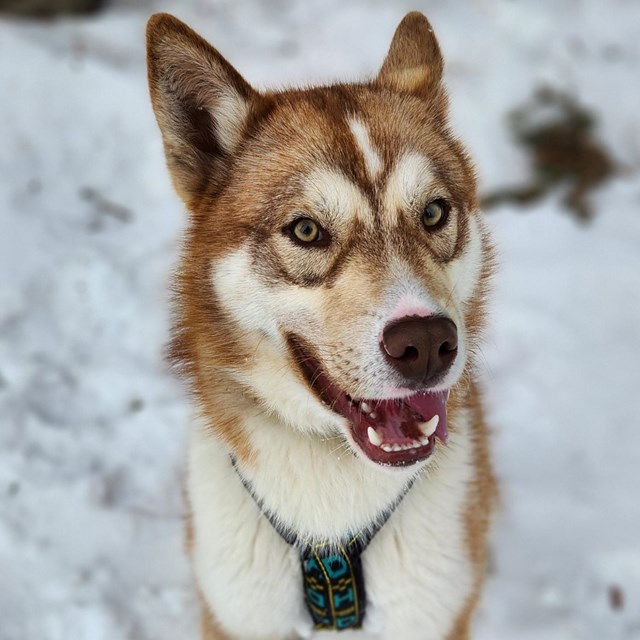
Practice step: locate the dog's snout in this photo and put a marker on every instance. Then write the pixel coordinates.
(420, 349)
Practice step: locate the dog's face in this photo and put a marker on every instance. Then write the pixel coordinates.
(336, 264)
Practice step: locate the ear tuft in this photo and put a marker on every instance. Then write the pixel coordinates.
(414, 62)
(202, 104)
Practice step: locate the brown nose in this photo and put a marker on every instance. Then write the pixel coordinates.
(420, 349)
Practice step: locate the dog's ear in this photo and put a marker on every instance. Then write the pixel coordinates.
(414, 62)
(202, 105)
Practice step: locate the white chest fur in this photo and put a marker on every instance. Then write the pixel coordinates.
(417, 569)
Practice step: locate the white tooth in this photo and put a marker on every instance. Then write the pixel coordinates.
(385, 446)
(395, 447)
(364, 407)
(429, 428)
(373, 415)
(424, 440)
(374, 437)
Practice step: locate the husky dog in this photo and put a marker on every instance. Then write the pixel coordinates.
(329, 303)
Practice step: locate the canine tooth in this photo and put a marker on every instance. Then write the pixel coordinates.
(429, 428)
(364, 407)
(374, 437)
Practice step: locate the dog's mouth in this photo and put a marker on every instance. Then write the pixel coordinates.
(393, 432)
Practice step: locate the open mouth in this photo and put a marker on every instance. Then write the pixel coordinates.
(393, 432)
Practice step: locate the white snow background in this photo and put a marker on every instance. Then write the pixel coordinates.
(92, 424)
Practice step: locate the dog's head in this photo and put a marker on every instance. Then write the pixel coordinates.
(336, 263)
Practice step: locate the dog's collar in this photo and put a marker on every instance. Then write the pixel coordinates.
(333, 580)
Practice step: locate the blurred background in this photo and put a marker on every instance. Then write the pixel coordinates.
(92, 424)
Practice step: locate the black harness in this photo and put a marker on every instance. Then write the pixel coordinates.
(333, 581)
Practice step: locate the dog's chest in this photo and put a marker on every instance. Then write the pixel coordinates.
(417, 569)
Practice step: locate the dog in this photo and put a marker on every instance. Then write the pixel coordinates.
(329, 306)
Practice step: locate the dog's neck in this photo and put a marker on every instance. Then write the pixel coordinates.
(316, 486)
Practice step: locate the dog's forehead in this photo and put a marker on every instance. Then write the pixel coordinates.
(356, 132)
(385, 147)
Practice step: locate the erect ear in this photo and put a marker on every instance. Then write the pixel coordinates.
(414, 62)
(202, 104)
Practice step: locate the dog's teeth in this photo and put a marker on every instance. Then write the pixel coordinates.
(374, 437)
(365, 408)
(414, 444)
(429, 428)
(373, 415)
(385, 446)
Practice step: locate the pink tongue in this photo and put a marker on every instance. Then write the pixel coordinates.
(429, 405)
(399, 418)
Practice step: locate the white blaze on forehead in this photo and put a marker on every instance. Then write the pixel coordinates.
(372, 160)
(410, 177)
(337, 197)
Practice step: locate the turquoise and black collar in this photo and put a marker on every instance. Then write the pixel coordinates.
(333, 580)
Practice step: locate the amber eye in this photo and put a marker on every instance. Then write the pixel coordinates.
(435, 214)
(305, 231)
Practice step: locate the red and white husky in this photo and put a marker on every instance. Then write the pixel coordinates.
(330, 300)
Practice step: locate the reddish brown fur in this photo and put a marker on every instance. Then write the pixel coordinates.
(209, 628)
(215, 234)
(404, 107)
(480, 503)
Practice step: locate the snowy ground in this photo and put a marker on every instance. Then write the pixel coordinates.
(92, 425)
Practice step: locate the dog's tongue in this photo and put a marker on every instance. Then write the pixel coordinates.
(429, 405)
(400, 419)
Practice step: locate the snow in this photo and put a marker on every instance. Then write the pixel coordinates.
(93, 424)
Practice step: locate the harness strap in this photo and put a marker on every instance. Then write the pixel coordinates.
(333, 580)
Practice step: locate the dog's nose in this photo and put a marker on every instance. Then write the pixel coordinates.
(420, 349)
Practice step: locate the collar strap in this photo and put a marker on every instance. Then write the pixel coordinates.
(333, 580)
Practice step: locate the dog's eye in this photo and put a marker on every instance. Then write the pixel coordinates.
(435, 214)
(305, 231)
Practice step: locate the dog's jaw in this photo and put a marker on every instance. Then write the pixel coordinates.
(391, 432)
(389, 427)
